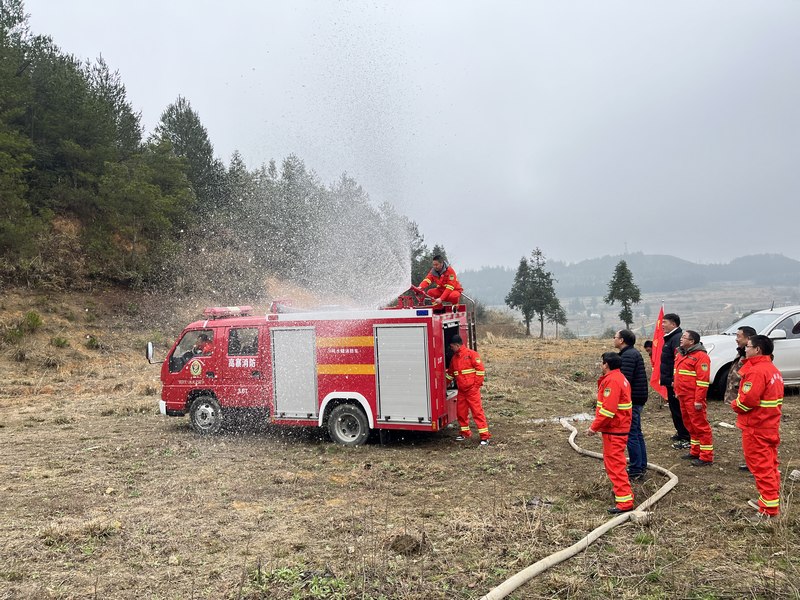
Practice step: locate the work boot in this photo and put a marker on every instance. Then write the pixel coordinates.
(697, 462)
(761, 519)
(689, 456)
(618, 511)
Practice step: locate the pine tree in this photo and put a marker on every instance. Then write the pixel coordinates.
(534, 295)
(622, 289)
(519, 297)
(181, 125)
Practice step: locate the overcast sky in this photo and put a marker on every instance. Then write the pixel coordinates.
(583, 127)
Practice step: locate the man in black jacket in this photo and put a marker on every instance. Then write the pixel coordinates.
(633, 369)
(672, 339)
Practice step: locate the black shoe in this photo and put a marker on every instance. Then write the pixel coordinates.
(744, 468)
(618, 511)
(688, 456)
(682, 445)
(636, 476)
(701, 463)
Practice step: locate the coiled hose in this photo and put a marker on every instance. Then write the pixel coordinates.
(639, 514)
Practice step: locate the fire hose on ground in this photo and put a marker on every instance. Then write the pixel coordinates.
(639, 514)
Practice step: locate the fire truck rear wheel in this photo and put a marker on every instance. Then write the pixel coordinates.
(205, 415)
(348, 425)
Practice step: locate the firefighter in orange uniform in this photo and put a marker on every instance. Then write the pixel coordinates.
(448, 289)
(467, 370)
(692, 372)
(758, 406)
(204, 345)
(613, 420)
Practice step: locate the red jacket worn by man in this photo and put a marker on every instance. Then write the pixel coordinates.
(692, 372)
(448, 289)
(759, 406)
(613, 420)
(466, 369)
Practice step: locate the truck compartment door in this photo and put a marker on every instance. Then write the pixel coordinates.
(294, 372)
(403, 378)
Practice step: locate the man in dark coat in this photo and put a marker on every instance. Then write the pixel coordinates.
(672, 339)
(633, 369)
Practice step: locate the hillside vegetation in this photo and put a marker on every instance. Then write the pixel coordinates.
(90, 198)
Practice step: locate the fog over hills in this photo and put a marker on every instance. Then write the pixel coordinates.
(653, 273)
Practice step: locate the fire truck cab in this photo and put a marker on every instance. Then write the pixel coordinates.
(350, 372)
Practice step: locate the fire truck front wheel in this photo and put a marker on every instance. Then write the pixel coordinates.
(205, 415)
(348, 425)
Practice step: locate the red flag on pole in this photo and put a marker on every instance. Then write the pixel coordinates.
(655, 358)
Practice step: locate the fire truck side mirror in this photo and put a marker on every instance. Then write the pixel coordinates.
(149, 354)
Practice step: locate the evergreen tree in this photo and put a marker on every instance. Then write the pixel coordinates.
(622, 289)
(18, 225)
(181, 125)
(519, 297)
(533, 292)
(113, 109)
(556, 315)
(420, 264)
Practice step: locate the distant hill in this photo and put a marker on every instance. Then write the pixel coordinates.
(651, 272)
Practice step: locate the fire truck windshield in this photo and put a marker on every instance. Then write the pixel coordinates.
(193, 343)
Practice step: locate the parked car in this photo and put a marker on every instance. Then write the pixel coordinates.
(782, 325)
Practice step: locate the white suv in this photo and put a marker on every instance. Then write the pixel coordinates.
(782, 325)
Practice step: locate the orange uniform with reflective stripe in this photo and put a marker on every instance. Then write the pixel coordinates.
(759, 407)
(614, 406)
(613, 420)
(447, 286)
(692, 373)
(466, 368)
(760, 400)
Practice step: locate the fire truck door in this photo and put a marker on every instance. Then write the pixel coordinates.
(294, 371)
(241, 372)
(401, 356)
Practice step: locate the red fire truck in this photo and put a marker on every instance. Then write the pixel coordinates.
(351, 372)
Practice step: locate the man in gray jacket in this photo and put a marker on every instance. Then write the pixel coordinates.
(633, 369)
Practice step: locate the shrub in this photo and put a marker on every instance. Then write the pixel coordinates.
(92, 343)
(13, 335)
(31, 322)
(59, 342)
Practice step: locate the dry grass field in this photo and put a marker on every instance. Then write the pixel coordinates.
(101, 497)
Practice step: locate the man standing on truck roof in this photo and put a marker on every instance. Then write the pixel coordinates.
(467, 370)
(448, 289)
